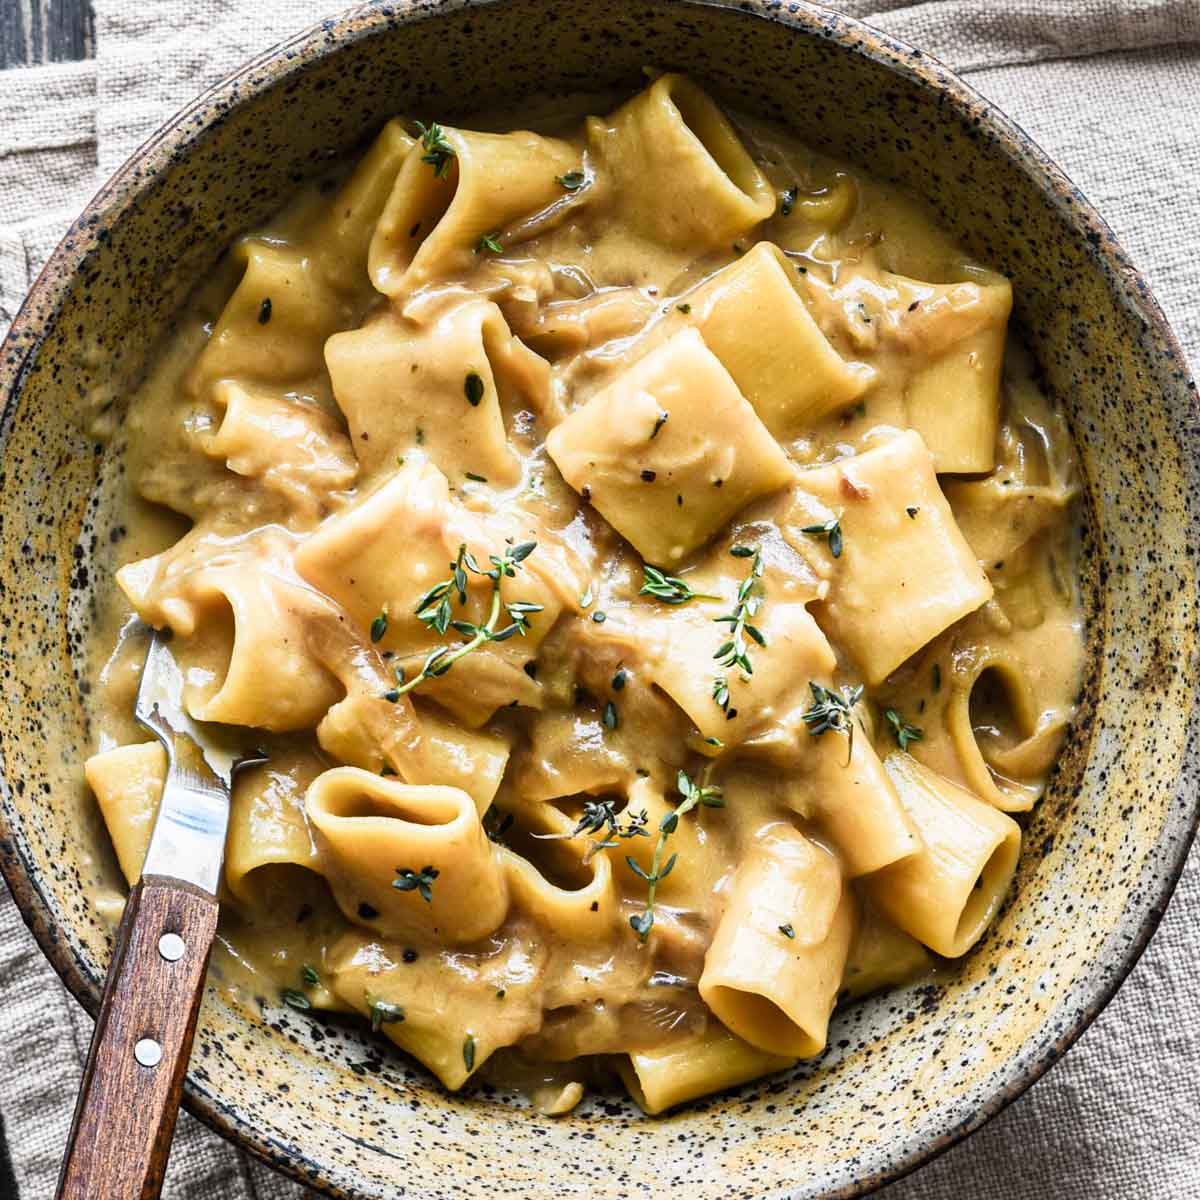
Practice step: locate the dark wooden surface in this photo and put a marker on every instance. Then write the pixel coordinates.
(121, 1136)
(44, 31)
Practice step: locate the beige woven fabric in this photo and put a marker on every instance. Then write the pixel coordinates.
(1111, 89)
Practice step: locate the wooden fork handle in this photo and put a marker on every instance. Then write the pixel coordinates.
(121, 1135)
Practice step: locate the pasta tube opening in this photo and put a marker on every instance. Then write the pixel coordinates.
(714, 131)
(946, 894)
(406, 860)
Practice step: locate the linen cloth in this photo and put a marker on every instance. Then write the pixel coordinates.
(1111, 89)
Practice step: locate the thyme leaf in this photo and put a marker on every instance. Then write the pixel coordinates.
(379, 625)
(438, 152)
(421, 881)
(828, 529)
(902, 731)
(668, 588)
(384, 1012)
(572, 181)
(294, 999)
(490, 241)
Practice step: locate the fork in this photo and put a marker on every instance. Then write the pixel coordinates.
(129, 1098)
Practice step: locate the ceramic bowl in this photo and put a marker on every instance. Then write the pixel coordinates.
(906, 1074)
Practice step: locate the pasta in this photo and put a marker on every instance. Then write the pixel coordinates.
(642, 552)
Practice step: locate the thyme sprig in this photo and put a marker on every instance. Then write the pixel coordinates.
(490, 241)
(421, 882)
(600, 815)
(438, 152)
(831, 710)
(902, 731)
(435, 611)
(736, 652)
(694, 795)
(668, 588)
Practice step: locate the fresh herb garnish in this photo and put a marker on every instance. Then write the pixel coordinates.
(668, 588)
(902, 731)
(684, 308)
(649, 476)
(438, 152)
(264, 311)
(787, 200)
(469, 1053)
(295, 999)
(602, 815)
(589, 594)
(475, 478)
(379, 625)
(435, 611)
(693, 794)
(599, 617)
(659, 422)
(572, 181)
(832, 530)
(611, 719)
(830, 710)
(384, 1012)
(490, 241)
(309, 975)
(619, 679)
(912, 511)
(473, 388)
(787, 931)
(736, 652)
(936, 677)
(420, 881)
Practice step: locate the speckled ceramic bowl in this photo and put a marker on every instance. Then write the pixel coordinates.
(906, 1074)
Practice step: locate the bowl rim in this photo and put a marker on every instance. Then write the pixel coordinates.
(294, 54)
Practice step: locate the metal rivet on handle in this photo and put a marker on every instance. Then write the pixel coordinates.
(148, 1052)
(171, 946)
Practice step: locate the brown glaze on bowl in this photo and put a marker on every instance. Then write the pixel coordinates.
(907, 1074)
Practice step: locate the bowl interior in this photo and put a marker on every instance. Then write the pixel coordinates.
(906, 1073)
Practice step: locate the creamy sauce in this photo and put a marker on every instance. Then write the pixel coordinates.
(570, 341)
